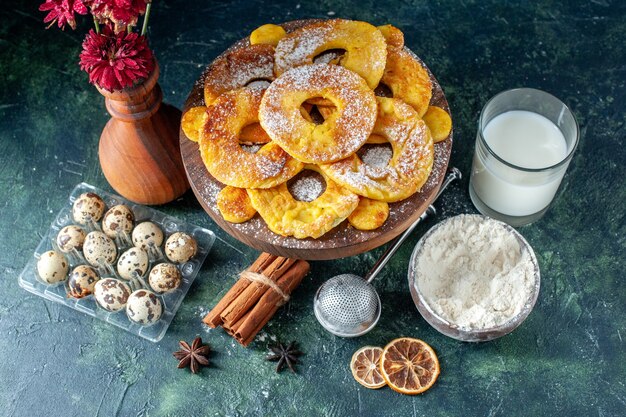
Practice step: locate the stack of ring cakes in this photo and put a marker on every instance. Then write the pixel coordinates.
(314, 132)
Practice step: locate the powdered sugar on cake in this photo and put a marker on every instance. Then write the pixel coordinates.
(306, 189)
(377, 157)
(410, 168)
(299, 47)
(375, 160)
(239, 68)
(353, 125)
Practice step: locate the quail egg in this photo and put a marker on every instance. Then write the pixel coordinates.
(70, 237)
(98, 248)
(165, 278)
(133, 260)
(52, 267)
(111, 294)
(82, 281)
(147, 234)
(144, 307)
(180, 247)
(88, 207)
(118, 221)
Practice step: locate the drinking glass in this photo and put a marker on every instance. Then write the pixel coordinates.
(508, 192)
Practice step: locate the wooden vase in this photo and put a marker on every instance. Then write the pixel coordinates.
(139, 148)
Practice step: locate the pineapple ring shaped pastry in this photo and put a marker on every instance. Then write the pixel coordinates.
(407, 79)
(410, 164)
(341, 134)
(287, 216)
(237, 69)
(219, 142)
(365, 46)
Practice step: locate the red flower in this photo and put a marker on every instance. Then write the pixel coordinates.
(62, 11)
(121, 12)
(116, 61)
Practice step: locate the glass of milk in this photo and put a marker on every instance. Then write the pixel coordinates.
(526, 139)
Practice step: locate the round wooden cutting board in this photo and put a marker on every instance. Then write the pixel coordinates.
(343, 240)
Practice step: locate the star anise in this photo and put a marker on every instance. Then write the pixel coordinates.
(192, 356)
(284, 355)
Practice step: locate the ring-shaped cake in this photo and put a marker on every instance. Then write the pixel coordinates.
(219, 142)
(237, 69)
(410, 164)
(301, 219)
(407, 79)
(364, 45)
(340, 135)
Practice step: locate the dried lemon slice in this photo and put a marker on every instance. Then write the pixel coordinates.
(365, 367)
(409, 366)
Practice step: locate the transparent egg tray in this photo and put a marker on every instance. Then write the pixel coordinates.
(205, 238)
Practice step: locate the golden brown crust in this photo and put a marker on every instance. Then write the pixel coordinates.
(369, 214)
(393, 36)
(286, 216)
(193, 122)
(409, 167)
(316, 126)
(253, 134)
(439, 123)
(223, 156)
(364, 44)
(234, 205)
(267, 34)
(340, 135)
(238, 68)
(407, 79)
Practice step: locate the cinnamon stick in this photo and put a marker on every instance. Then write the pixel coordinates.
(253, 292)
(213, 318)
(252, 302)
(231, 329)
(267, 305)
(247, 340)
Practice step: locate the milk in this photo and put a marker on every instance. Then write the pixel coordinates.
(527, 140)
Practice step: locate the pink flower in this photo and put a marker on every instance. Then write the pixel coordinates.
(62, 11)
(121, 13)
(116, 61)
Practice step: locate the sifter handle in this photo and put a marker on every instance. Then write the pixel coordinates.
(453, 174)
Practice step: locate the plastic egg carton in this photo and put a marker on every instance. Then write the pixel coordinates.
(29, 280)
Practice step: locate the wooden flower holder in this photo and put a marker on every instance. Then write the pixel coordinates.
(139, 148)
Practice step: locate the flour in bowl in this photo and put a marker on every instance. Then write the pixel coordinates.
(474, 272)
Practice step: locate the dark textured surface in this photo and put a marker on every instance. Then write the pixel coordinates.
(567, 359)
